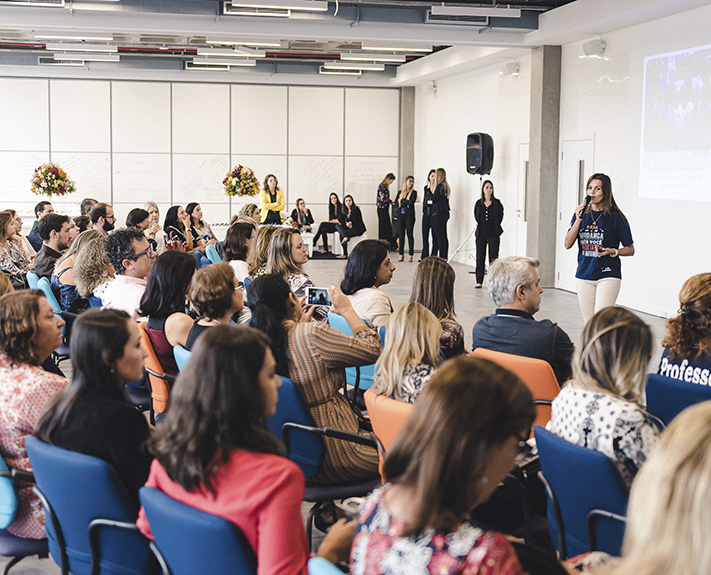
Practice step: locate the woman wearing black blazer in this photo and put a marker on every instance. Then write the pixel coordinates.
(350, 223)
(405, 205)
(440, 215)
(329, 227)
(488, 213)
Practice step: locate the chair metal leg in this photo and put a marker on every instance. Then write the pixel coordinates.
(14, 561)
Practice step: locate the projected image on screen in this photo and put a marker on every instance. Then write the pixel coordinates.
(676, 125)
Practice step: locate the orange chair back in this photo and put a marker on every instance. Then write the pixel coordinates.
(387, 416)
(159, 386)
(537, 374)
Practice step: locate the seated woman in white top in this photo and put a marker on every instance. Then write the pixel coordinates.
(238, 241)
(599, 407)
(368, 268)
(410, 354)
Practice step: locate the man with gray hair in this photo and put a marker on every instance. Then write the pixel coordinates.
(516, 289)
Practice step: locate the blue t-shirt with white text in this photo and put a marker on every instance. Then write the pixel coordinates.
(596, 231)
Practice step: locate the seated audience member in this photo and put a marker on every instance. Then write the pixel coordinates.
(132, 258)
(213, 451)
(102, 218)
(30, 333)
(82, 223)
(314, 356)
(460, 441)
(54, 231)
(251, 211)
(73, 232)
(259, 254)
(329, 227)
(163, 303)
(433, 287)
(301, 215)
(369, 268)
(350, 223)
(154, 231)
(91, 415)
(216, 296)
(177, 227)
(63, 276)
(92, 270)
(236, 247)
(687, 343)
(138, 218)
(599, 407)
(41, 210)
(410, 354)
(668, 526)
(515, 287)
(12, 262)
(21, 242)
(201, 231)
(86, 205)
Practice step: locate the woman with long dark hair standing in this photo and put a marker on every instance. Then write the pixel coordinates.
(488, 213)
(383, 201)
(440, 215)
(405, 206)
(603, 235)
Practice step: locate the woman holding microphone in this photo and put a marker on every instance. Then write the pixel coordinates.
(603, 236)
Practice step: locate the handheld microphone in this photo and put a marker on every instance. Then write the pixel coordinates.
(588, 199)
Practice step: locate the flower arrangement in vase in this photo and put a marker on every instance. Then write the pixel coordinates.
(241, 181)
(51, 180)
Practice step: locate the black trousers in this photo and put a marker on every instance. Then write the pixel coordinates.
(426, 227)
(324, 228)
(346, 233)
(440, 245)
(406, 225)
(385, 227)
(481, 243)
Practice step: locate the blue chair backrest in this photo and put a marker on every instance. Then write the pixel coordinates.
(8, 497)
(367, 372)
(80, 488)
(667, 397)
(212, 255)
(193, 541)
(32, 279)
(181, 356)
(46, 288)
(305, 449)
(582, 480)
(382, 331)
(94, 301)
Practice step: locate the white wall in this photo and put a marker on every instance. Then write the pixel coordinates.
(126, 142)
(478, 101)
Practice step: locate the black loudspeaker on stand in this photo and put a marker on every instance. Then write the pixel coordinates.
(480, 160)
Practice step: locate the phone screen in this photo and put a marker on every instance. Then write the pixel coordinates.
(317, 296)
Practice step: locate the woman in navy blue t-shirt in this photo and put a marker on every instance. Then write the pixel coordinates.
(603, 235)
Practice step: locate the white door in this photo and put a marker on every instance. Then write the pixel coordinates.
(522, 186)
(576, 166)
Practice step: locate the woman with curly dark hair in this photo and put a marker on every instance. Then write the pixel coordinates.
(687, 343)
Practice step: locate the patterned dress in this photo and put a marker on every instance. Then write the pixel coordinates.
(24, 390)
(620, 429)
(379, 549)
(317, 356)
(414, 378)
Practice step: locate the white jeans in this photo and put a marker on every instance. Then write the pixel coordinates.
(593, 295)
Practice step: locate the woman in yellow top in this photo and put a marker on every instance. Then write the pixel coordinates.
(272, 200)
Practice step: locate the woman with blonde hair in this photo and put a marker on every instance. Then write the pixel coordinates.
(251, 212)
(687, 343)
(440, 215)
(383, 202)
(433, 287)
(410, 354)
(92, 269)
(154, 231)
(63, 281)
(272, 201)
(600, 406)
(405, 205)
(259, 254)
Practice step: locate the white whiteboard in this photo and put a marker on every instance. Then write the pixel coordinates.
(201, 118)
(364, 174)
(91, 174)
(140, 116)
(17, 169)
(141, 177)
(315, 121)
(25, 118)
(259, 119)
(315, 177)
(372, 122)
(198, 178)
(80, 116)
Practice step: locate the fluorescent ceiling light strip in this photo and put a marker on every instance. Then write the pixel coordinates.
(281, 13)
(363, 56)
(396, 47)
(64, 46)
(193, 66)
(91, 36)
(323, 70)
(224, 62)
(227, 53)
(338, 65)
(87, 57)
(260, 44)
(308, 5)
(49, 61)
(474, 11)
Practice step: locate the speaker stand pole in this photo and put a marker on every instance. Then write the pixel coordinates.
(470, 233)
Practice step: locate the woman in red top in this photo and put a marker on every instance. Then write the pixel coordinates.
(213, 451)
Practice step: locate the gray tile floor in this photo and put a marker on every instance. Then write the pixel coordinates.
(471, 304)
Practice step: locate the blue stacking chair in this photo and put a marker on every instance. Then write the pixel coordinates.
(303, 441)
(62, 352)
(181, 356)
(585, 491)
(191, 541)
(11, 545)
(94, 301)
(360, 377)
(667, 397)
(32, 280)
(90, 517)
(212, 254)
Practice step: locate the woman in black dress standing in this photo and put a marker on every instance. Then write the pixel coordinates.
(405, 206)
(488, 213)
(385, 228)
(440, 215)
